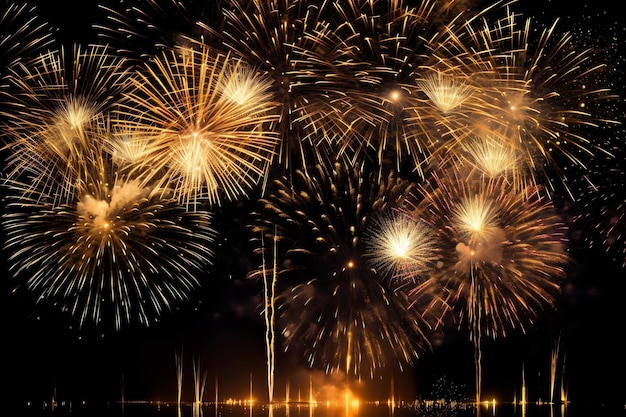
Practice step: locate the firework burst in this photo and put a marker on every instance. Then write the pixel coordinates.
(208, 116)
(66, 89)
(111, 252)
(537, 96)
(502, 252)
(398, 248)
(332, 304)
(58, 99)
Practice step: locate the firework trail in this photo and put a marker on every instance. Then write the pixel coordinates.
(332, 305)
(208, 116)
(269, 310)
(111, 251)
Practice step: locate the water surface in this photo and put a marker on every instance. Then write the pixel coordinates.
(155, 409)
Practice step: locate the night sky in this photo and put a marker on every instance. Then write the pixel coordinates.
(45, 349)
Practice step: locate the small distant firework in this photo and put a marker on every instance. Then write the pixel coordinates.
(398, 248)
(335, 308)
(208, 115)
(112, 252)
(502, 252)
(612, 229)
(446, 92)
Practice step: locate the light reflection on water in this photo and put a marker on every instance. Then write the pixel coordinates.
(304, 410)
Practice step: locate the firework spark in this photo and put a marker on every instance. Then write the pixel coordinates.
(601, 208)
(146, 28)
(22, 33)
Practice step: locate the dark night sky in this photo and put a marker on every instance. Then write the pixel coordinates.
(42, 349)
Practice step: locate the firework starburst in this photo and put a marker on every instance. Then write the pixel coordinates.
(503, 252)
(398, 248)
(208, 116)
(538, 96)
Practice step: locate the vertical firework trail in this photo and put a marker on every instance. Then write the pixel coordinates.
(269, 300)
